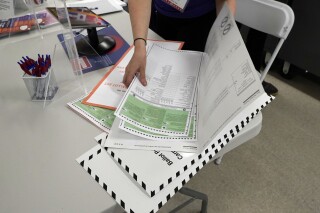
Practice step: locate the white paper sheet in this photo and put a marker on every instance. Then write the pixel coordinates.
(109, 91)
(97, 6)
(192, 132)
(163, 106)
(101, 117)
(121, 187)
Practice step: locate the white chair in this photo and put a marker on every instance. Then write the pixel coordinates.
(273, 18)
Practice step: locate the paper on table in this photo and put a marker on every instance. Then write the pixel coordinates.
(163, 106)
(109, 91)
(192, 132)
(101, 117)
(120, 186)
(97, 6)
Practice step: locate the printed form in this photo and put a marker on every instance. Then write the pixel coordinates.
(164, 106)
(109, 91)
(192, 135)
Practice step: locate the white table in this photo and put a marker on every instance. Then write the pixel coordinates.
(38, 147)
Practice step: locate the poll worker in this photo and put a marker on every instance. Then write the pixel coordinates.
(191, 25)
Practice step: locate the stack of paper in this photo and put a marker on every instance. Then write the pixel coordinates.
(165, 108)
(216, 93)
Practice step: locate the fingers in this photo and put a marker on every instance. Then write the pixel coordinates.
(142, 78)
(127, 78)
(131, 71)
(137, 65)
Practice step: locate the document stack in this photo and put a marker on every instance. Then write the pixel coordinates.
(164, 133)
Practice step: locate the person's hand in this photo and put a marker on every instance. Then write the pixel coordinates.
(136, 66)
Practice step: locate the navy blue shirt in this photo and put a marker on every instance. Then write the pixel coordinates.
(194, 8)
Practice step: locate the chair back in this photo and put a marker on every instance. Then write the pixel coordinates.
(268, 16)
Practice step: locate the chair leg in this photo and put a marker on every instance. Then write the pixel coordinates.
(194, 195)
(218, 160)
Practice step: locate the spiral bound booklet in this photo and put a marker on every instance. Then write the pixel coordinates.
(230, 95)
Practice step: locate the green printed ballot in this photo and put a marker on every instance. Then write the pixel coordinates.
(165, 105)
(162, 118)
(192, 136)
(101, 117)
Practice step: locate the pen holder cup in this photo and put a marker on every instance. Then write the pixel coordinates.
(41, 88)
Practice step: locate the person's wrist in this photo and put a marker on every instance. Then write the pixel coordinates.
(140, 40)
(140, 49)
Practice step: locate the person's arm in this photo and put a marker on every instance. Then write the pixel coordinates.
(232, 4)
(140, 11)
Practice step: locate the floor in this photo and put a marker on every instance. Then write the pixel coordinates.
(277, 171)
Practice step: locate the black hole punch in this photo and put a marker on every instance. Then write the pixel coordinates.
(176, 189)
(97, 178)
(143, 185)
(105, 186)
(122, 204)
(178, 174)
(161, 186)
